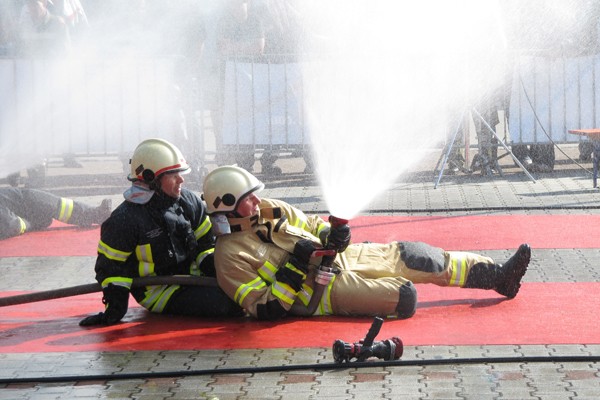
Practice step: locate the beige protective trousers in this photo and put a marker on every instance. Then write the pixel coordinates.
(372, 274)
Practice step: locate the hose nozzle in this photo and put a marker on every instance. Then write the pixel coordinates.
(335, 221)
(390, 349)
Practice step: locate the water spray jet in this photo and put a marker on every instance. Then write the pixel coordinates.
(381, 98)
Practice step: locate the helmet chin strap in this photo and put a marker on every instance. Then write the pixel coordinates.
(155, 185)
(152, 180)
(234, 214)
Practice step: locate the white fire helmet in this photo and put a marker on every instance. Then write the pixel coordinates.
(154, 157)
(224, 188)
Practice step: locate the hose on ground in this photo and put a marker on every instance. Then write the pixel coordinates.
(299, 367)
(95, 287)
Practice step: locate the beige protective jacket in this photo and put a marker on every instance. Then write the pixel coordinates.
(371, 273)
(247, 260)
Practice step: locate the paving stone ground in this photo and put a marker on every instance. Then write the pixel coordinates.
(496, 372)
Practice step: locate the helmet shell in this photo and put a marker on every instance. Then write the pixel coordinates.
(154, 157)
(224, 188)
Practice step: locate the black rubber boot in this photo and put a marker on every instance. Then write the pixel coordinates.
(484, 276)
(503, 278)
(102, 212)
(84, 215)
(513, 271)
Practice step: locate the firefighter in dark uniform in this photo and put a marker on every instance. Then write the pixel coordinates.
(25, 210)
(160, 229)
(265, 259)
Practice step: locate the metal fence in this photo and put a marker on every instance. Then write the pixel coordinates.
(263, 105)
(551, 96)
(90, 106)
(86, 106)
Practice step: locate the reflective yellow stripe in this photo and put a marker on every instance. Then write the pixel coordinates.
(459, 272)
(203, 229)
(320, 228)
(163, 299)
(305, 294)
(203, 255)
(246, 288)
(299, 221)
(291, 266)
(195, 265)
(325, 303)
(267, 272)
(145, 268)
(111, 253)
(284, 292)
(66, 209)
(146, 262)
(326, 308)
(151, 295)
(144, 253)
(157, 297)
(118, 281)
(22, 226)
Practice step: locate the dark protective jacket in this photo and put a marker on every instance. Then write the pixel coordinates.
(165, 236)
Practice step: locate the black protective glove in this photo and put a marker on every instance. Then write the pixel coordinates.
(207, 266)
(338, 238)
(303, 250)
(116, 299)
(295, 269)
(293, 272)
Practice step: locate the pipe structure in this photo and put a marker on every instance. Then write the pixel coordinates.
(183, 280)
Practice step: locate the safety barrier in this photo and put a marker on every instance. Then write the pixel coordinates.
(87, 106)
(552, 95)
(263, 105)
(91, 106)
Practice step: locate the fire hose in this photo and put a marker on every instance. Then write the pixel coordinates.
(322, 366)
(184, 280)
(342, 353)
(327, 254)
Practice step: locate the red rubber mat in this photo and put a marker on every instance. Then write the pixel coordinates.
(542, 313)
(451, 233)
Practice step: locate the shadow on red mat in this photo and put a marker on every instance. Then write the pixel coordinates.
(542, 313)
(472, 232)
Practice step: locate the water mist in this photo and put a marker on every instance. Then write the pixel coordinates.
(384, 82)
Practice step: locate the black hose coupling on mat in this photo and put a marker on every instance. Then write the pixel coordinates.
(389, 349)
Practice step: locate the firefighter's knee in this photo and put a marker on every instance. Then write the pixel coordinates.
(407, 304)
(423, 257)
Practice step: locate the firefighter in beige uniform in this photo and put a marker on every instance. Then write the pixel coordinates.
(264, 259)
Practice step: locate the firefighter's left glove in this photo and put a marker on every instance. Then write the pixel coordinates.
(338, 238)
(293, 273)
(303, 250)
(116, 299)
